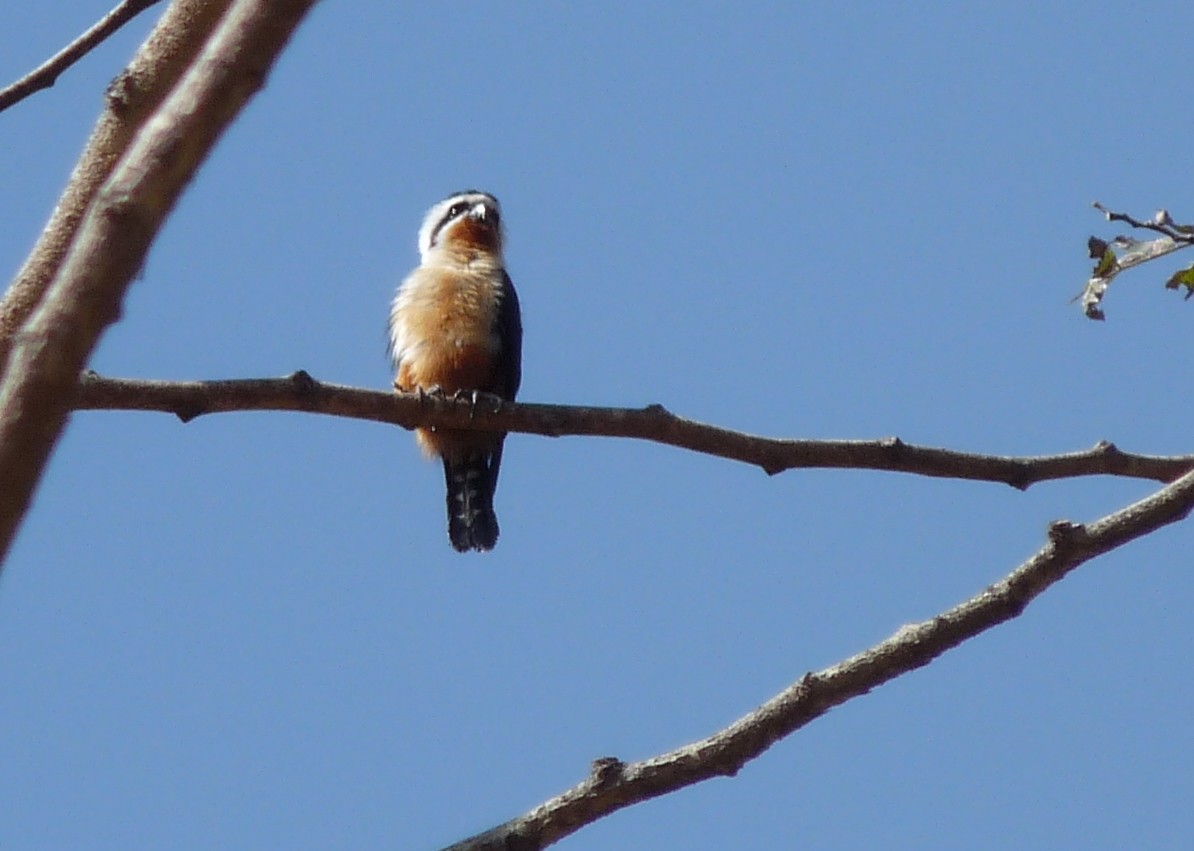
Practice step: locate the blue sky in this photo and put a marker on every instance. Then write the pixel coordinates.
(793, 219)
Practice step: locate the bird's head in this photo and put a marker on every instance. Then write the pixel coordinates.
(466, 223)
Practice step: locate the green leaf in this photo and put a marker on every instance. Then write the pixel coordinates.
(1182, 278)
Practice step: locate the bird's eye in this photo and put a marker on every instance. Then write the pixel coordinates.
(456, 209)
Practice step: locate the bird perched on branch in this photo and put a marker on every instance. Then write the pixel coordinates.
(455, 328)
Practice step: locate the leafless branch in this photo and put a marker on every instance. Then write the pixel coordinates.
(300, 392)
(45, 75)
(1161, 223)
(50, 349)
(132, 97)
(612, 784)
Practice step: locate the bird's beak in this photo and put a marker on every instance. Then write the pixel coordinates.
(479, 211)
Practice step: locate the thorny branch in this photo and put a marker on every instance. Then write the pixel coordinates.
(612, 784)
(46, 74)
(300, 392)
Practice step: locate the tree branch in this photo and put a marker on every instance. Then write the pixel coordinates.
(45, 75)
(1133, 252)
(131, 98)
(1161, 223)
(51, 348)
(300, 392)
(612, 784)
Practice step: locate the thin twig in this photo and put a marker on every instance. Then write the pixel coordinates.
(45, 75)
(131, 99)
(300, 392)
(1162, 225)
(612, 784)
(42, 374)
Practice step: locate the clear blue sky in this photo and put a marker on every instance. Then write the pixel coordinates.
(805, 220)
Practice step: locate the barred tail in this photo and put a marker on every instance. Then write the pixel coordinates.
(472, 525)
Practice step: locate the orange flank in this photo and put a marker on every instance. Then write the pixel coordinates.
(448, 322)
(450, 368)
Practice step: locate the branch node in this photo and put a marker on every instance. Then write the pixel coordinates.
(804, 685)
(188, 412)
(606, 770)
(121, 94)
(1021, 479)
(656, 410)
(302, 381)
(1064, 533)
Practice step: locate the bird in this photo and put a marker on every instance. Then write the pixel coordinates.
(455, 328)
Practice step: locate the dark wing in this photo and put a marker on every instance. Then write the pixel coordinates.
(509, 374)
(509, 365)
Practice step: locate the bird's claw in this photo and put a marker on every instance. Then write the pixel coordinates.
(473, 396)
(425, 393)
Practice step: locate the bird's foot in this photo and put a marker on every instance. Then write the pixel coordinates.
(425, 393)
(473, 396)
